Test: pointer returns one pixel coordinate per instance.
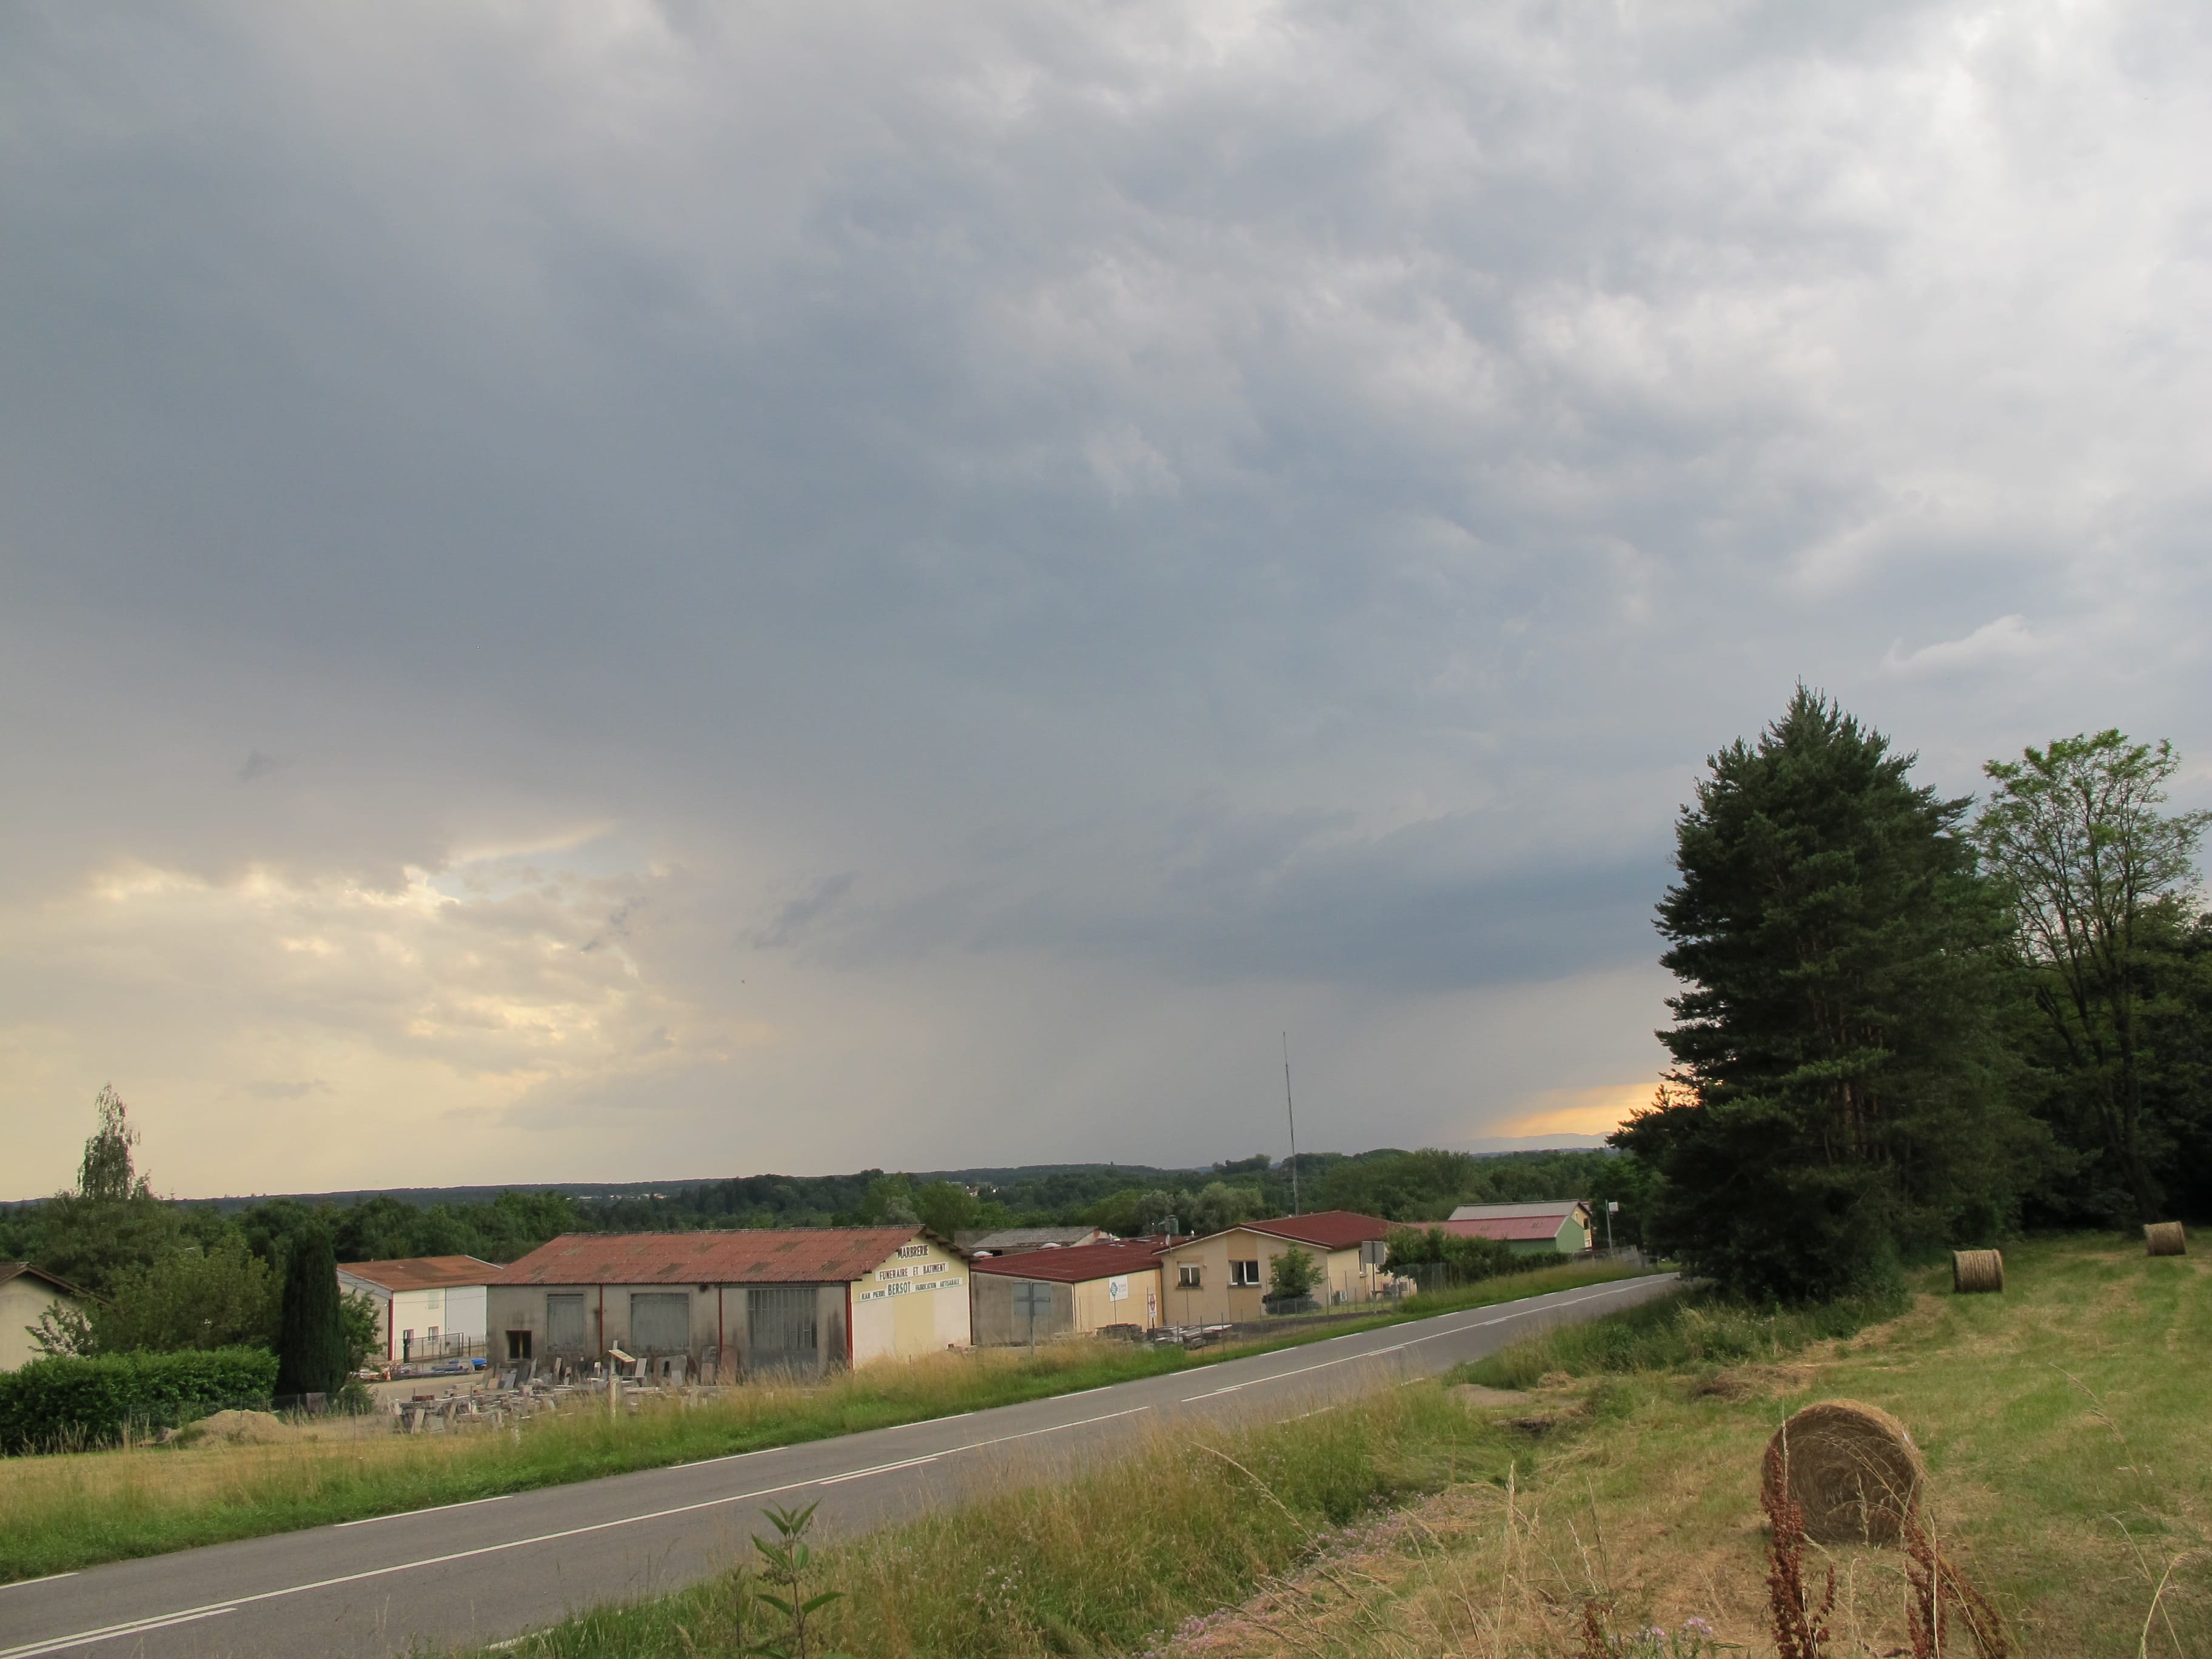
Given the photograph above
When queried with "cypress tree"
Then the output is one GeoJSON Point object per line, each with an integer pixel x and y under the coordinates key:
{"type": "Point", "coordinates": [1835, 1089]}
{"type": "Point", "coordinates": [311, 1350]}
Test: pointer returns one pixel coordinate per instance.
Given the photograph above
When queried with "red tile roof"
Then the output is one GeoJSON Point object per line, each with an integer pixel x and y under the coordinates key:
{"type": "Point", "coordinates": [1325, 1229]}
{"type": "Point", "coordinates": [810, 1255]}
{"type": "Point", "coordinates": [1509, 1228]}
{"type": "Point", "coordinates": [1074, 1264]}
{"type": "Point", "coordinates": [424, 1273]}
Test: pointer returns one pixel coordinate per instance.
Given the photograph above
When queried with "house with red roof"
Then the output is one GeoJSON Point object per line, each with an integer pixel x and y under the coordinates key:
{"type": "Point", "coordinates": [1224, 1278]}
{"type": "Point", "coordinates": [727, 1305]}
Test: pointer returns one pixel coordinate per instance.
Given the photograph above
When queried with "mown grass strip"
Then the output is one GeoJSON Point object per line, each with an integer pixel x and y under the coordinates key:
{"type": "Point", "coordinates": [57, 1514]}
{"type": "Point", "coordinates": [1108, 1561]}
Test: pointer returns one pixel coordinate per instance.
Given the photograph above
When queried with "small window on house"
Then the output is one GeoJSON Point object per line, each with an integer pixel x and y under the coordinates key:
{"type": "Point", "coordinates": [1186, 1275]}
{"type": "Point", "coordinates": [1244, 1274]}
{"type": "Point", "coordinates": [517, 1345]}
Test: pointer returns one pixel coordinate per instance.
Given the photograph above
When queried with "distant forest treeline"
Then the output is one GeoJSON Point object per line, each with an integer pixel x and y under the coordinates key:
{"type": "Point", "coordinates": [113, 1226]}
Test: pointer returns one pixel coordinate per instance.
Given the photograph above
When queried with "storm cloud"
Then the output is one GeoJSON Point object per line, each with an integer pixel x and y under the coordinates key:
{"type": "Point", "coordinates": [637, 590]}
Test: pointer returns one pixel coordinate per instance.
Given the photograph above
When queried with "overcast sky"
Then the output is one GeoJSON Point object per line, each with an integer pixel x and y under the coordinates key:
{"type": "Point", "coordinates": [619, 591]}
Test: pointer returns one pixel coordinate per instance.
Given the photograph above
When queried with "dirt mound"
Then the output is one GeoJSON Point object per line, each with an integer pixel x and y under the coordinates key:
{"type": "Point", "coordinates": [238, 1429]}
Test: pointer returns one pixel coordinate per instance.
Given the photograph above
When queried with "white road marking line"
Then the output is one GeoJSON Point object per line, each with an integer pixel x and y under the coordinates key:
{"type": "Point", "coordinates": [436, 1508]}
{"type": "Point", "coordinates": [136, 1628]}
{"type": "Point", "coordinates": [48, 1579]}
{"type": "Point", "coordinates": [880, 1469]}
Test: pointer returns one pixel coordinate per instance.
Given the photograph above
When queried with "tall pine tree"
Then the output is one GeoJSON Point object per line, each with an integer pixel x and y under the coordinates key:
{"type": "Point", "coordinates": [1835, 1091]}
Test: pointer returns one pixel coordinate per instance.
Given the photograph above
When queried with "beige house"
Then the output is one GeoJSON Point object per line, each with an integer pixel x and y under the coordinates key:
{"type": "Point", "coordinates": [1223, 1278]}
{"type": "Point", "coordinates": [1059, 1292]}
{"type": "Point", "coordinates": [724, 1305]}
{"type": "Point", "coordinates": [26, 1294]}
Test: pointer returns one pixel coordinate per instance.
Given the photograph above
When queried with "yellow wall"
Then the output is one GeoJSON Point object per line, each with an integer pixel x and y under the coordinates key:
{"type": "Point", "coordinates": [22, 1300]}
{"type": "Point", "coordinates": [1095, 1308]}
{"type": "Point", "coordinates": [915, 1302]}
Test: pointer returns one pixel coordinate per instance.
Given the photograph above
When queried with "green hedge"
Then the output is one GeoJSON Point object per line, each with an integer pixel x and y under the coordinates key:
{"type": "Point", "coordinates": [54, 1405]}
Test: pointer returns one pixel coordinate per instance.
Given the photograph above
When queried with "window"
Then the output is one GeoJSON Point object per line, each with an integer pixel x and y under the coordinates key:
{"type": "Point", "coordinates": [1186, 1275]}
{"type": "Point", "coordinates": [517, 1345]}
{"type": "Point", "coordinates": [1244, 1274]}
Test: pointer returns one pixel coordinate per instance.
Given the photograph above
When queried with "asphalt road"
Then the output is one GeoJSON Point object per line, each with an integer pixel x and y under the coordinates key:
{"type": "Point", "coordinates": [483, 1571]}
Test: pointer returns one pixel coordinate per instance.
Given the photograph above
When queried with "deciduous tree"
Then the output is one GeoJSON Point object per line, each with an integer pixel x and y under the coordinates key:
{"type": "Point", "coordinates": [2099, 875]}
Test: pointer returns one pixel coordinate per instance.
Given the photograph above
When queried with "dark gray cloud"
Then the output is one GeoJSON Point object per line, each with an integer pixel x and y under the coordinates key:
{"type": "Point", "coordinates": [1143, 520]}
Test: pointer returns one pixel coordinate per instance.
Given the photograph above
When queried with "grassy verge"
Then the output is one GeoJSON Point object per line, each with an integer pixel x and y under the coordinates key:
{"type": "Point", "coordinates": [1112, 1561]}
{"type": "Point", "coordinates": [1696, 1331]}
{"type": "Point", "coordinates": [61, 1513]}
{"type": "Point", "coordinates": [2064, 1423]}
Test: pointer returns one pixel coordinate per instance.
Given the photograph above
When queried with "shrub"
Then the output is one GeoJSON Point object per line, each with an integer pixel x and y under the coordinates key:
{"type": "Point", "coordinates": [1293, 1273]}
{"type": "Point", "coordinates": [66, 1403]}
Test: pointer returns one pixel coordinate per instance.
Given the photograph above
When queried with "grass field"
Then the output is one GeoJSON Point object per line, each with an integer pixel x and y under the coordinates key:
{"type": "Point", "coordinates": [60, 1513]}
{"type": "Point", "coordinates": [2065, 1423]}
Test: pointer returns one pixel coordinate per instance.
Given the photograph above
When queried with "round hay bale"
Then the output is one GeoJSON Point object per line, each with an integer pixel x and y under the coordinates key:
{"type": "Point", "coordinates": [2164, 1238]}
{"type": "Point", "coordinates": [1974, 1272]}
{"type": "Point", "coordinates": [1851, 1469]}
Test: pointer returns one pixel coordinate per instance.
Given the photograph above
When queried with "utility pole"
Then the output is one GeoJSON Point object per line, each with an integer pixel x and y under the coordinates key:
{"type": "Point", "coordinates": [1292, 1112]}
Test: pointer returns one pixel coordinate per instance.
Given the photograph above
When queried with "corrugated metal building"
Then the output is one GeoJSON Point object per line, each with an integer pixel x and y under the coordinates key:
{"type": "Point", "coordinates": [735, 1303]}
{"type": "Point", "coordinates": [1561, 1225]}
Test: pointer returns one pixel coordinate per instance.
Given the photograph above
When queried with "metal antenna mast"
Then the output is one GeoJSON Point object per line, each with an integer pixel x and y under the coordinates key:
{"type": "Point", "coordinates": [1292, 1112]}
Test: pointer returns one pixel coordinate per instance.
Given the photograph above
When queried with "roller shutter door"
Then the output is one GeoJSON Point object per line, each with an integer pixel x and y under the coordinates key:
{"type": "Point", "coordinates": [660, 1322]}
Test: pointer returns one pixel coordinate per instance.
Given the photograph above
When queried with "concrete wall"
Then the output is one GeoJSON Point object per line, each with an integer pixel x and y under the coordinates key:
{"type": "Point", "coordinates": [996, 1323]}
{"type": "Point", "coordinates": [1081, 1308]}
{"type": "Point", "coordinates": [23, 1299]}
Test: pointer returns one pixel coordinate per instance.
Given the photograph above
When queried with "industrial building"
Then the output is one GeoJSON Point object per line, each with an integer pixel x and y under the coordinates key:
{"type": "Point", "coordinates": [725, 1305]}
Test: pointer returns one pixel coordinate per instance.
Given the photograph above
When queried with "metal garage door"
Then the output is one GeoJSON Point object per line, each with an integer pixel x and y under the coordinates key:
{"type": "Point", "coordinates": [660, 1322]}
{"type": "Point", "coordinates": [564, 1324]}
{"type": "Point", "coordinates": [781, 1321]}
